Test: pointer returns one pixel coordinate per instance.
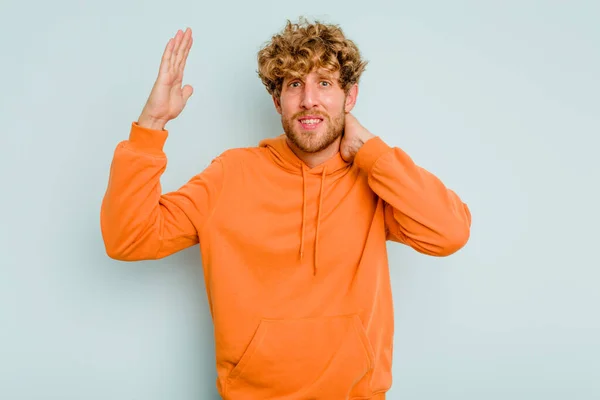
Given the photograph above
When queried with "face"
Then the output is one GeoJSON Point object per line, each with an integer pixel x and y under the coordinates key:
{"type": "Point", "coordinates": [313, 110]}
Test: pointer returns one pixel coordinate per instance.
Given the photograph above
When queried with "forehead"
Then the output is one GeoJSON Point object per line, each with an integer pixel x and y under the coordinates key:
{"type": "Point", "coordinates": [318, 73]}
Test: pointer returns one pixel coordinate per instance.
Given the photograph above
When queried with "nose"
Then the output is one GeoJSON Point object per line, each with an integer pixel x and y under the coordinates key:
{"type": "Point", "coordinates": [309, 97]}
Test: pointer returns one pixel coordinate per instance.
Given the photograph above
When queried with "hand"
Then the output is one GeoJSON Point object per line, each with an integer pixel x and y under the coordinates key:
{"type": "Point", "coordinates": [167, 98]}
{"type": "Point", "coordinates": [355, 135]}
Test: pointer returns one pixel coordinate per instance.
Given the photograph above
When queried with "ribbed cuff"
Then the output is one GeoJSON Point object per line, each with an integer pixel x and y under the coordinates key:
{"type": "Point", "coordinates": [370, 152]}
{"type": "Point", "coordinates": [147, 140]}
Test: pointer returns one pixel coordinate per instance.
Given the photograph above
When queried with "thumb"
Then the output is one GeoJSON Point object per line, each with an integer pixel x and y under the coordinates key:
{"type": "Point", "coordinates": [186, 92]}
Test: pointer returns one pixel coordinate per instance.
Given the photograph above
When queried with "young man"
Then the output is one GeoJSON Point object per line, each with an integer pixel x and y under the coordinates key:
{"type": "Point", "coordinates": [292, 232]}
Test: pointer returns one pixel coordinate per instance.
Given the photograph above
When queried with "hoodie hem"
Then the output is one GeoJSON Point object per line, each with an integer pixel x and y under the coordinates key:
{"type": "Point", "coordinates": [375, 396]}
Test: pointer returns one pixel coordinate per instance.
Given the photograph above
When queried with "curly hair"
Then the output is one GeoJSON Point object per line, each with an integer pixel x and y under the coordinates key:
{"type": "Point", "coordinates": [302, 47]}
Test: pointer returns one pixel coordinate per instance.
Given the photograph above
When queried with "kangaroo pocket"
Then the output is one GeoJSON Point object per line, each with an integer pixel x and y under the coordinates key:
{"type": "Point", "coordinates": [319, 358]}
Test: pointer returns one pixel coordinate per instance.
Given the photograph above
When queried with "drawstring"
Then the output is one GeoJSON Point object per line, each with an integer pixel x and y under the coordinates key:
{"type": "Point", "coordinates": [319, 219]}
{"type": "Point", "coordinates": [303, 213]}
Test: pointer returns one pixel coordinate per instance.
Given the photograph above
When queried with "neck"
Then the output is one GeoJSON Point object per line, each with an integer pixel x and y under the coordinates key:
{"type": "Point", "coordinates": [318, 158]}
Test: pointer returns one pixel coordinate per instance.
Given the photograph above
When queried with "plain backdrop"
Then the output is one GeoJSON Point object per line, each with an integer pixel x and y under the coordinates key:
{"type": "Point", "coordinates": [500, 99]}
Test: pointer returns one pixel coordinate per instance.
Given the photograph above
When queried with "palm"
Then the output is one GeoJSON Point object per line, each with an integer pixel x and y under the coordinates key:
{"type": "Point", "coordinates": [168, 97]}
{"type": "Point", "coordinates": [346, 149]}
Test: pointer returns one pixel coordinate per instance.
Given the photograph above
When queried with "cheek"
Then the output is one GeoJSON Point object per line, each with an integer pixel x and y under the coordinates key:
{"type": "Point", "coordinates": [334, 104]}
{"type": "Point", "coordinates": [288, 108]}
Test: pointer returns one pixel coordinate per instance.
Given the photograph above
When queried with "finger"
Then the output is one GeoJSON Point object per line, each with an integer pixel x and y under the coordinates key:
{"type": "Point", "coordinates": [185, 57]}
{"type": "Point", "coordinates": [186, 92]}
{"type": "Point", "coordinates": [185, 54]}
{"type": "Point", "coordinates": [183, 49]}
{"type": "Point", "coordinates": [178, 38]}
{"type": "Point", "coordinates": [166, 57]}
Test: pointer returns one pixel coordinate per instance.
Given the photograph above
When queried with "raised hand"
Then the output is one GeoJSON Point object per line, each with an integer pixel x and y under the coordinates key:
{"type": "Point", "coordinates": [355, 135]}
{"type": "Point", "coordinates": [168, 98]}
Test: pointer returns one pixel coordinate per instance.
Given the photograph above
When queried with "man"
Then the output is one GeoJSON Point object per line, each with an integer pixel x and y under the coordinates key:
{"type": "Point", "coordinates": [292, 232]}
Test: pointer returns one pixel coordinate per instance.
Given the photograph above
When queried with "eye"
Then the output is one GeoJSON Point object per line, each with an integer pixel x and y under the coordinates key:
{"type": "Point", "coordinates": [294, 84]}
{"type": "Point", "coordinates": [325, 83]}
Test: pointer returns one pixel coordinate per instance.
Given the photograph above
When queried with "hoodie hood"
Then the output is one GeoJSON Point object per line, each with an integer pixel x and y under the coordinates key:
{"type": "Point", "coordinates": [283, 156]}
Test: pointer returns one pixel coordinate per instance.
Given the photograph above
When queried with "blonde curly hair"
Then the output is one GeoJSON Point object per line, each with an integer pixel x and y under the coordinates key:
{"type": "Point", "coordinates": [301, 47]}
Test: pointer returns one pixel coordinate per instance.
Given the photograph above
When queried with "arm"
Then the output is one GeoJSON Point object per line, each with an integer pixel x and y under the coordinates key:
{"type": "Point", "coordinates": [419, 210]}
{"type": "Point", "coordinates": [138, 222]}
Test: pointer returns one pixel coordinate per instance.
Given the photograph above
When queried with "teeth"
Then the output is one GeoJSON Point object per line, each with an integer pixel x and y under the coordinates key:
{"type": "Point", "coordinates": [310, 121]}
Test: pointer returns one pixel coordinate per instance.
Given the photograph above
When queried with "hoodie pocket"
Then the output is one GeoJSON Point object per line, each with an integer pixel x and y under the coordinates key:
{"type": "Point", "coordinates": [324, 357]}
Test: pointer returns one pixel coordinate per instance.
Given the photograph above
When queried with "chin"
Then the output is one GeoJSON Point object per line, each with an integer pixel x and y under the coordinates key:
{"type": "Point", "coordinates": [312, 142]}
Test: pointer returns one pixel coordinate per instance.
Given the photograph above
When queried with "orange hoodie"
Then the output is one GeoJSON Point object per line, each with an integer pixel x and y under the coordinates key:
{"type": "Point", "coordinates": [294, 258]}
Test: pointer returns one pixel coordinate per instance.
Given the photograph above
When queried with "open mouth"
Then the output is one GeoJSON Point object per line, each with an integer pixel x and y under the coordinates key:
{"type": "Point", "coordinates": [310, 122]}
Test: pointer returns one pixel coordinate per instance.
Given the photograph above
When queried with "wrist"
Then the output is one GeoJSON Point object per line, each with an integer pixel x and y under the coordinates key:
{"type": "Point", "coordinates": [147, 140]}
{"type": "Point", "coordinates": [151, 123]}
{"type": "Point", "coordinates": [365, 136]}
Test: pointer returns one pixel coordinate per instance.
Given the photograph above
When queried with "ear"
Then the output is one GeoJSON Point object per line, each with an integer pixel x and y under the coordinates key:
{"type": "Point", "coordinates": [351, 98]}
{"type": "Point", "coordinates": [277, 103]}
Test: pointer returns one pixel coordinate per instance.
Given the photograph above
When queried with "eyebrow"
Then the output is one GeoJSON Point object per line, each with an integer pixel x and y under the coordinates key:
{"type": "Point", "coordinates": [320, 75]}
{"type": "Point", "coordinates": [327, 75]}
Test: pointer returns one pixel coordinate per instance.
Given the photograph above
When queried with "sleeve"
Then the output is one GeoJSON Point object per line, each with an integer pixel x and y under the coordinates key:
{"type": "Point", "coordinates": [138, 221]}
{"type": "Point", "coordinates": [420, 211]}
